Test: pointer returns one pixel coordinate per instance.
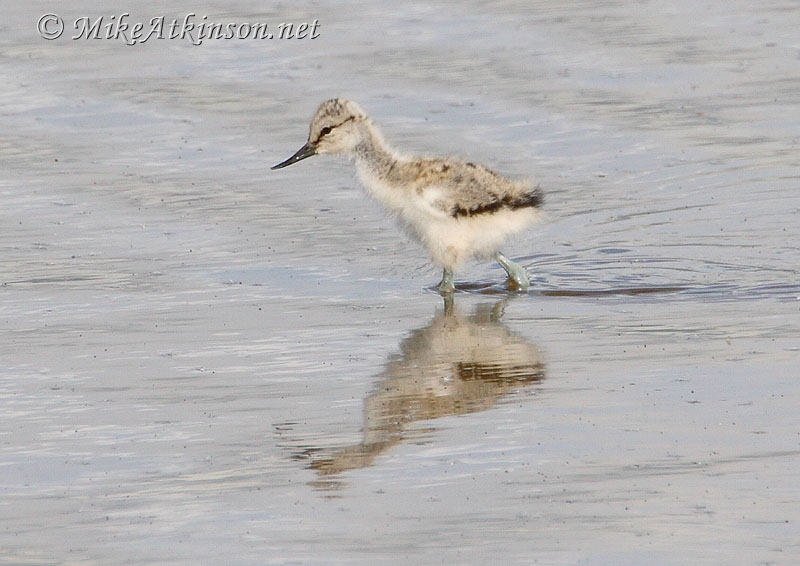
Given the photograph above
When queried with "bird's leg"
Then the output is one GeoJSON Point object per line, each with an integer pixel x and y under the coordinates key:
{"type": "Point", "coordinates": [448, 304]}
{"type": "Point", "coordinates": [517, 278]}
{"type": "Point", "coordinates": [446, 285]}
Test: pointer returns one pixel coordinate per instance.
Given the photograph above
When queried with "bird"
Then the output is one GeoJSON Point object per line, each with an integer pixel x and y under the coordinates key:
{"type": "Point", "coordinates": [458, 210]}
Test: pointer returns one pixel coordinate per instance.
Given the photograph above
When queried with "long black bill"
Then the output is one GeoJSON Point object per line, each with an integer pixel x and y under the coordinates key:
{"type": "Point", "coordinates": [306, 151]}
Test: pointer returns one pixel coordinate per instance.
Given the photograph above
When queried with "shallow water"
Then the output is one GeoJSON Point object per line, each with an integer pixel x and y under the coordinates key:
{"type": "Point", "coordinates": [207, 362]}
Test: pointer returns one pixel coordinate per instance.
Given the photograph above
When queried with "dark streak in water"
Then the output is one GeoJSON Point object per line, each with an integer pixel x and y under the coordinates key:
{"type": "Point", "coordinates": [720, 292]}
{"type": "Point", "coordinates": [54, 279]}
{"type": "Point", "coordinates": [609, 292]}
{"type": "Point", "coordinates": [484, 288]}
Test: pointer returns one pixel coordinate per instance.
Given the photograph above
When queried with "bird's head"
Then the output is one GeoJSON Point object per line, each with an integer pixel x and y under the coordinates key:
{"type": "Point", "coordinates": [337, 127]}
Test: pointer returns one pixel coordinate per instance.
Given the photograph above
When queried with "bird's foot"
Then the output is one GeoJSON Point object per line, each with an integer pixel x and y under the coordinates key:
{"type": "Point", "coordinates": [518, 284]}
{"type": "Point", "coordinates": [517, 277]}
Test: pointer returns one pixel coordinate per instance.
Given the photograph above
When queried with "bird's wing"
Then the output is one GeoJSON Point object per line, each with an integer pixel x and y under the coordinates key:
{"type": "Point", "coordinates": [435, 200]}
{"type": "Point", "coordinates": [454, 188]}
{"type": "Point", "coordinates": [460, 195]}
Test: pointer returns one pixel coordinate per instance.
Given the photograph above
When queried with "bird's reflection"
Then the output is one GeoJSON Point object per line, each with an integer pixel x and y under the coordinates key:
{"type": "Point", "coordinates": [456, 364]}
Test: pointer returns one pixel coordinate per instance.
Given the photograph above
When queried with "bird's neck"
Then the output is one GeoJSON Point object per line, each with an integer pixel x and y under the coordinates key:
{"type": "Point", "coordinates": [373, 156]}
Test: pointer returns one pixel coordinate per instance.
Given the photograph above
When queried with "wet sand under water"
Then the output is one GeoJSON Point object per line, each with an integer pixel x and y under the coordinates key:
{"type": "Point", "coordinates": [206, 362]}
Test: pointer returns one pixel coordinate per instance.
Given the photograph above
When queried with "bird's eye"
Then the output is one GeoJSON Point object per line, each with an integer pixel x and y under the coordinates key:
{"type": "Point", "coordinates": [325, 131]}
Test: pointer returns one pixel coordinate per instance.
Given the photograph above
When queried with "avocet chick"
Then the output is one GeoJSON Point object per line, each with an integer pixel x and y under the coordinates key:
{"type": "Point", "coordinates": [458, 210]}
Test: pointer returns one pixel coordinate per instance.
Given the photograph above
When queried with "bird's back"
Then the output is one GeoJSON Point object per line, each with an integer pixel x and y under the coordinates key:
{"type": "Point", "coordinates": [462, 188]}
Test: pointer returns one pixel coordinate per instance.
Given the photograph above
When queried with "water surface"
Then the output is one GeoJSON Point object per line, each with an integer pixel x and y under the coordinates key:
{"type": "Point", "coordinates": [203, 361]}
